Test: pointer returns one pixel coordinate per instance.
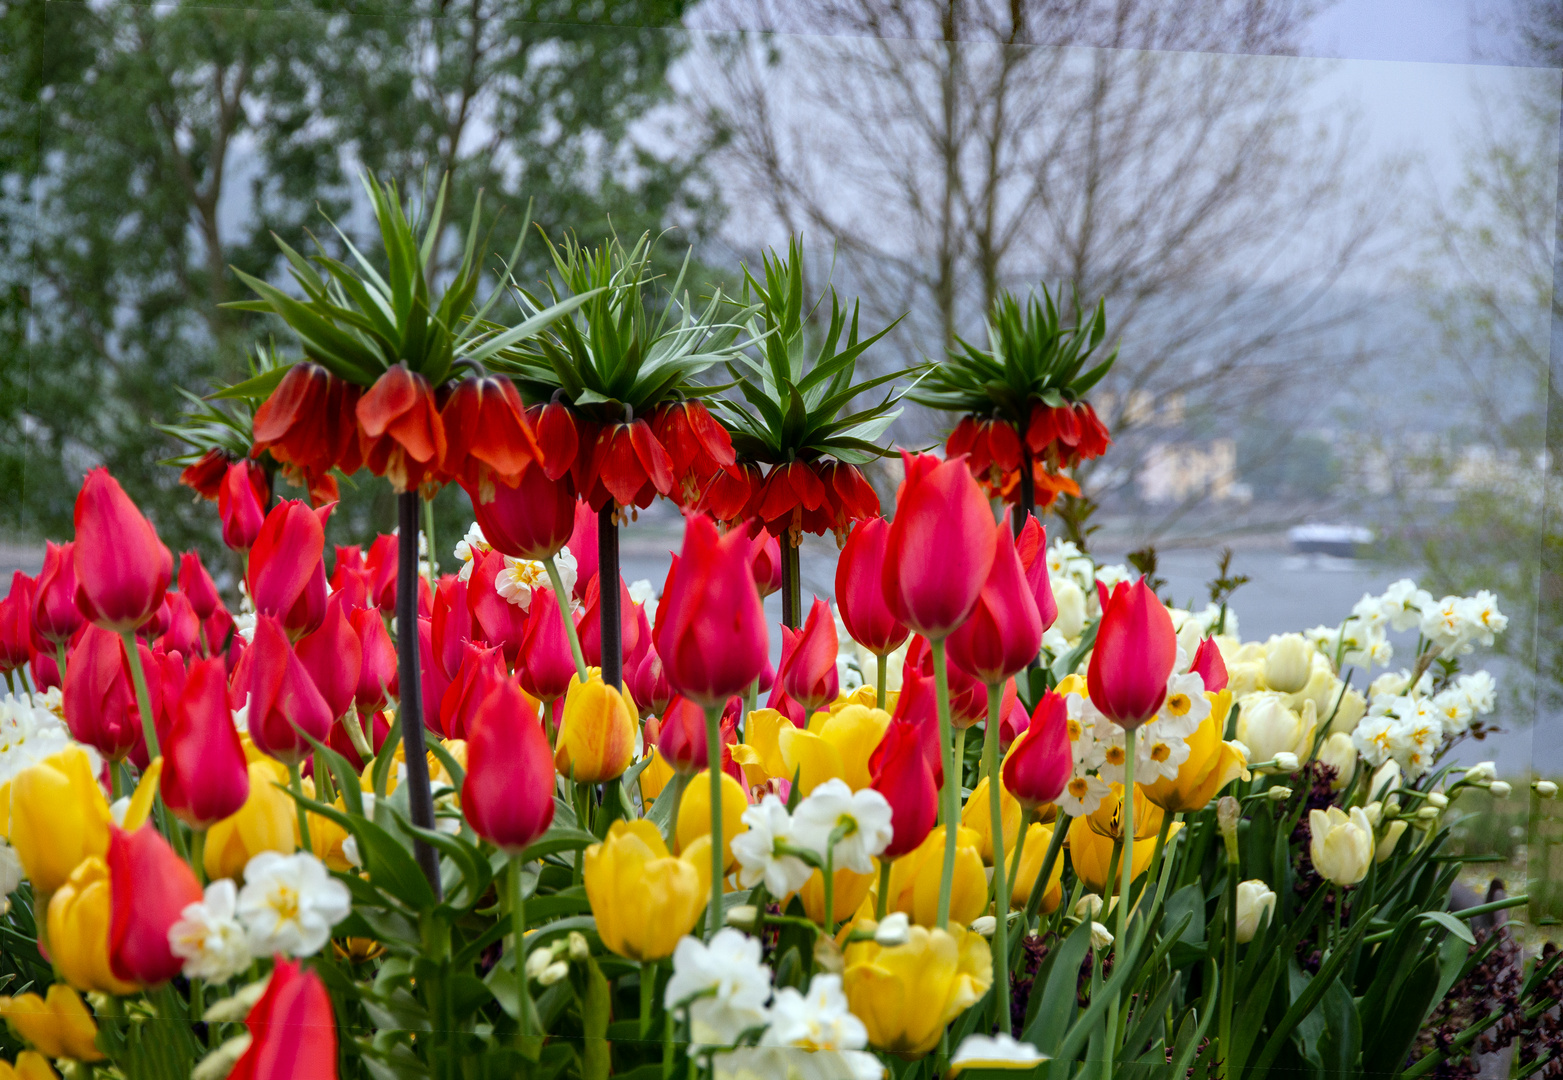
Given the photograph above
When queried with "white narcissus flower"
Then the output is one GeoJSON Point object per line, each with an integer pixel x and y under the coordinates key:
{"type": "Point", "coordinates": [208, 936]}
{"type": "Point", "coordinates": [468, 548]}
{"type": "Point", "coordinates": [818, 1020]}
{"type": "Point", "coordinates": [1454, 711]}
{"type": "Point", "coordinates": [864, 816]}
{"type": "Point", "coordinates": [1484, 618]}
{"type": "Point", "coordinates": [1341, 845]}
{"type": "Point", "coordinates": [520, 577]}
{"type": "Point", "coordinates": [1159, 754]}
{"type": "Point", "coordinates": [289, 904]}
{"type": "Point", "coordinates": [895, 930]}
{"type": "Point", "coordinates": [1082, 795]}
{"type": "Point", "coordinates": [642, 591]}
{"type": "Point", "coordinates": [734, 983]}
{"type": "Point", "coordinates": [795, 1063]}
{"type": "Point", "coordinates": [1479, 690]}
{"type": "Point", "coordinates": [1255, 901]}
{"type": "Point", "coordinates": [999, 1051]}
{"type": "Point", "coordinates": [768, 824]}
{"type": "Point", "coordinates": [1184, 707]}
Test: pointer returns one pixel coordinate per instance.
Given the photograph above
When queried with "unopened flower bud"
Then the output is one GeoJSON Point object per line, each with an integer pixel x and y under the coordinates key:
{"type": "Point", "coordinates": [743, 916]}
{"type": "Point", "coordinates": [580, 952]}
{"type": "Point", "coordinates": [1483, 772]}
{"type": "Point", "coordinates": [1228, 813]}
{"type": "Point", "coordinates": [553, 973]}
{"type": "Point", "coordinates": [1089, 906]}
{"type": "Point", "coordinates": [1427, 813]}
{"type": "Point", "coordinates": [1500, 789]}
{"type": "Point", "coordinates": [1255, 900]}
{"type": "Point", "coordinates": [1286, 761]}
{"type": "Point", "coordinates": [1546, 789]}
{"type": "Point", "coordinates": [1374, 812]}
{"type": "Point", "coordinates": [1278, 793]}
{"type": "Point", "coordinates": [220, 1062]}
{"type": "Point", "coordinates": [895, 930]}
{"type": "Point", "coordinates": [538, 962]}
{"type": "Point", "coordinates": [985, 925]}
{"type": "Point", "coordinates": [1101, 937]}
{"type": "Point", "coordinates": [1438, 800]}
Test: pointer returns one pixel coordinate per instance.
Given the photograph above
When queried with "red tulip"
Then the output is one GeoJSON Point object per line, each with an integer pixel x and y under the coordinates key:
{"type": "Point", "coordinates": [205, 474]}
{"type": "Point", "coordinates": [648, 684]}
{"type": "Point", "coordinates": [380, 569]}
{"type": "Point", "coordinates": [333, 656]}
{"type": "Point", "coordinates": [309, 610]}
{"type": "Point", "coordinates": [205, 777]}
{"type": "Point", "coordinates": [292, 1029]}
{"type": "Point", "coordinates": [241, 504]}
{"type": "Point", "coordinates": [546, 663]}
{"type": "Point", "coordinates": [917, 706]}
{"type": "Point", "coordinates": [401, 436]}
{"type": "Point", "coordinates": [1004, 632]}
{"type": "Point", "coordinates": [968, 695]}
{"type": "Point", "coordinates": [149, 888]}
{"type": "Point", "coordinates": [508, 794]}
{"type": "Point", "coordinates": [591, 625]}
{"type": "Point", "coordinates": [122, 568]}
{"type": "Point", "coordinates": [767, 558]}
{"type": "Point", "coordinates": [100, 698]}
{"type": "Point", "coordinates": [1209, 666]}
{"type": "Point", "coordinates": [809, 675]}
{"type": "Point", "coordinates": [1014, 720]}
{"type": "Point", "coordinates": [479, 672]}
{"type": "Point", "coordinates": [377, 672]}
{"type": "Point", "coordinates": [629, 465]}
{"type": "Point", "coordinates": [222, 638]}
{"type": "Point", "coordinates": [452, 623]}
{"type": "Point", "coordinates": [376, 728]}
{"type": "Point", "coordinates": [487, 434]}
{"type": "Point", "coordinates": [583, 545]}
{"type": "Point", "coordinates": [860, 594]}
{"type": "Point", "coordinates": [902, 776]}
{"type": "Point", "coordinates": [198, 587]}
{"type": "Point", "coordinates": [529, 521]}
{"type": "Point", "coordinates": [712, 637]}
{"type": "Point", "coordinates": [940, 547]}
{"type": "Point", "coordinates": [16, 623]}
{"type": "Point", "coordinates": [183, 631]}
{"type": "Point", "coordinates": [558, 438]}
{"type": "Point", "coordinates": [285, 558]}
{"type": "Point", "coordinates": [285, 704]}
{"type": "Point", "coordinates": [1041, 762]}
{"type": "Point", "coordinates": [432, 682]}
{"type": "Point", "coordinates": [46, 673]}
{"type": "Point", "coordinates": [500, 622]}
{"type": "Point", "coordinates": [309, 421]}
{"type": "Point", "coordinates": [1031, 546]}
{"type": "Point", "coordinates": [55, 617]}
{"type": "Point", "coordinates": [681, 736]}
{"type": "Point", "coordinates": [1134, 654]}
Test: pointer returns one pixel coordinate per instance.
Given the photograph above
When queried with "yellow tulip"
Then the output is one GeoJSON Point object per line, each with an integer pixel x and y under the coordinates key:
{"type": "Point", "coordinates": [905, 995]}
{"type": "Point", "coordinates": [596, 734]}
{"type": "Point", "coordinates": [864, 695]}
{"type": "Point", "coordinates": [978, 817]}
{"type": "Point", "coordinates": [268, 821]}
{"type": "Point", "coordinates": [1072, 684]}
{"type": "Point", "coordinates": [59, 1025]}
{"type": "Point", "coordinates": [1038, 837]}
{"type": "Point", "coordinates": [30, 1065]}
{"type": "Point", "coordinates": [654, 777]}
{"type": "Point", "coordinates": [760, 752]}
{"type": "Point", "coordinates": [140, 807]}
{"type": "Point", "coordinates": [1091, 852]}
{"type": "Point", "coordinates": [58, 817]}
{"type": "Point", "coordinates": [1107, 819]}
{"type": "Point", "coordinates": [78, 924]}
{"type": "Point", "coordinates": [850, 891]}
{"type": "Point", "coordinates": [809, 757]}
{"type": "Point", "coordinates": [1212, 764]}
{"type": "Point", "coordinates": [694, 813]}
{"type": "Point", "coordinates": [326, 838]}
{"type": "Point", "coordinates": [1341, 844]}
{"type": "Point", "coordinates": [645, 899]}
{"type": "Point", "coordinates": [915, 879]}
{"type": "Point", "coordinates": [855, 731]}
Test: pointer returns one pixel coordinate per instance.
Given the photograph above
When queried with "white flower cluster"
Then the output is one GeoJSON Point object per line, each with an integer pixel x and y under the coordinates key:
{"type": "Point", "coordinates": [520, 577]}
{"type": "Point", "coordinates": [727, 990]}
{"type": "Point", "coordinates": [288, 904]}
{"type": "Point", "coordinates": [1454, 625]}
{"type": "Point", "coordinates": [1406, 725]}
{"type": "Point", "coordinates": [860, 821]}
{"type": "Point", "coordinates": [31, 729]}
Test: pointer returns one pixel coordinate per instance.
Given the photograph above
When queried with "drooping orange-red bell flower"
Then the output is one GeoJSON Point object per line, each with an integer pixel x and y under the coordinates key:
{"type": "Point", "coordinates": [1135, 651]}
{"type": "Point", "coordinates": [205, 474]}
{"type": "Point", "coordinates": [790, 499]}
{"type": "Point", "coordinates": [849, 498]}
{"type": "Point", "coordinates": [697, 446]}
{"type": "Point", "coordinates": [629, 465]}
{"type": "Point", "coordinates": [122, 568]}
{"type": "Point", "coordinates": [488, 437]}
{"type": "Point", "coordinates": [730, 496]}
{"type": "Point", "coordinates": [402, 437]}
{"type": "Point", "coordinates": [310, 422]}
{"type": "Point", "coordinates": [292, 1029]}
{"type": "Point", "coordinates": [558, 438]}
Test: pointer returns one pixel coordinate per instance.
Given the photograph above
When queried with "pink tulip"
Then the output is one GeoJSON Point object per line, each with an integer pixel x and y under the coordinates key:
{"type": "Point", "coordinates": [809, 675]}
{"type": "Point", "coordinates": [1133, 656]}
{"type": "Point", "coordinates": [499, 622]}
{"type": "Point", "coordinates": [767, 558]}
{"type": "Point", "coordinates": [508, 792]}
{"type": "Point", "coordinates": [1209, 666]}
{"type": "Point", "coordinates": [377, 672]}
{"type": "Point", "coordinates": [122, 568]}
{"type": "Point", "coordinates": [648, 684]}
{"type": "Point", "coordinates": [1004, 632]}
{"type": "Point", "coordinates": [940, 547]}
{"type": "Point", "coordinates": [860, 593]}
{"type": "Point", "coordinates": [529, 521]}
{"type": "Point", "coordinates": [452, 623]}
{"type": "Point", "coordinates": [1041, 761]}
{"type": "Point", "coordinates": [241, 504]}
{"type": "Point", "coordinates": [16, 624]}
{"type": "Point", "coordinates": [1031, 545]}
{"type": "Point", "coordinates": [710, 631]}
{"type": "Point", "coordinates": [198, 587]}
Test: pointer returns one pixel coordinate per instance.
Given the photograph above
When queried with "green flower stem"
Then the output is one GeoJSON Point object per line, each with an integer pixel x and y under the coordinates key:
{"type": "Point", "coordinates": [648, 987]}
{"type": "Point", "coordinates": [562, 598]}
{"type": "Point", "coordinates": [714, 768]}
{"type": "Point", "coordinates": [880, 662]}
{"type": "Point", "coordinates": [990, 758]}
{"type": "Point", "coordinates": [829, 875]}
{"type": "Point", "coordinates": [296, 782]}
{"type": "Point", "coordinates": [143, 699]}
{"type": "Point", "coordinates": [527, 1040]}
{"type": "Point", "coordinates": [356, 736]}
{"type": "Point", "coordinates": [428, 531]}
{"type": "Point", "coordinates": [59, 657]}
{"type": "Point", "coordinates": [1125, 879]}
{"type": "Point", "coordinates": [951, 795]}
{"type": "Point", "coordinates": [882, 901]}
{"type": "Point", "coordinates": [1228, 971]}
